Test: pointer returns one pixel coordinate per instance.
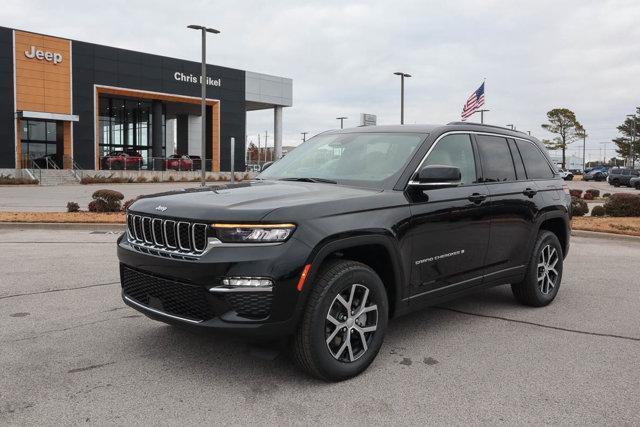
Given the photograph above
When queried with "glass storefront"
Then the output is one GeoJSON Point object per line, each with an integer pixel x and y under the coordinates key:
{"type": "Point", "coordinates": [39, 141]}
{"type": "Point", "coordinates": [126, 126]}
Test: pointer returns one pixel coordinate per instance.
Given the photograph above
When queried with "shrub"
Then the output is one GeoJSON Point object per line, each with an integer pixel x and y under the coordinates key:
{"type": "Point", "coordinates": [12, 180]}
{"type": "Point", "coordinates": [92, 206]}
{"type": "Point", "coordinates": [107, 200]}
{"type": "Point", "coordinates": [99, 179]}
{"type": "Point", "coordinates": [587, 196]}
{"type": "Point", "coordinates": [594, 192]}
{"type": "Point", "coordinates": [605, 195]}
{"type": "Point", "coordinates": [575, 193]}
{"type": "Point", "coordinates": [578, 207]}
{"type": "Point", "coordinates": [598, 211]}
{"type": "Point", "coordinates": [155, 178]}
{"type": "Point", "coordinates": [125, 205]}
{"type": "Point", "coordinates": [73, 207]}
{"type": "Point", "coordinates": [141, 178]}
{"type": "Point", "coordinates": [171, 178]}
{"type": "Point", "coordinates": [623, 204]}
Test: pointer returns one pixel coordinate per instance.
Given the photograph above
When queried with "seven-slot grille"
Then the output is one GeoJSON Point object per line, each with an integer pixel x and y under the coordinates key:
{"type": "Point", "coordinates": [167, 235]}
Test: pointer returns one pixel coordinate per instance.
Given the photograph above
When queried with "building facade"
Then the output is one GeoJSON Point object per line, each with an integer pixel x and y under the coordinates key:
{"type": "Point", "coordinates": [76, 104]}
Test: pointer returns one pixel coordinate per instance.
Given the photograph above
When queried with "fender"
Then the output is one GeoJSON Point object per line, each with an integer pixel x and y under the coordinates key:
{"type": "Point", "coordinates": [372, 237]}
{"type": "Point", "coordinates": [551, 214]}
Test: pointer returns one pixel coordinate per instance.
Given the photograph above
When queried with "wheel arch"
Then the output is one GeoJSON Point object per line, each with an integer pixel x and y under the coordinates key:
{"type": "Point", "coordinates": [558, 224]}
{"type": "Point", "coordinates": [370, 249]}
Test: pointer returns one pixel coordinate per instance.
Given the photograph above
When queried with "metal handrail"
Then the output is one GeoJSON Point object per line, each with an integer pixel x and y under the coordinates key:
{"type": "Point", "coordinates": [75, 167]}
{"type": "Point", "coordinates": [31, 167]}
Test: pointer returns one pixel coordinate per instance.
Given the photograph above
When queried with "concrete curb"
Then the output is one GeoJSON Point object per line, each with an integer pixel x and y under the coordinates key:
{"type": "Point", "coordinates": [601, 235]}
{"type": "Point", "coordinates": [61, 226]}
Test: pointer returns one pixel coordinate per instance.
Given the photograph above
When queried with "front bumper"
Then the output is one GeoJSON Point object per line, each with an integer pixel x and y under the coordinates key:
{"type": "Point", "coordinates": [178, 291]}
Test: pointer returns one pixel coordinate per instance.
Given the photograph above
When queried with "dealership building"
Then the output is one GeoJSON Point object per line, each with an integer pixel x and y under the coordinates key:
{"type": "Point", "coordinates": [76, 102]}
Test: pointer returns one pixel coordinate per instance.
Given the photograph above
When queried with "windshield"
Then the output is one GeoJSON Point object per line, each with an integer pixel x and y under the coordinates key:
{"type": "Point", "coordinates": [362, 159]}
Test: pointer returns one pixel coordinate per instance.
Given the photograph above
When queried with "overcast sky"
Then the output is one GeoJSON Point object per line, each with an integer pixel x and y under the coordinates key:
{"type": "Point", "coordinates": [535, 55]}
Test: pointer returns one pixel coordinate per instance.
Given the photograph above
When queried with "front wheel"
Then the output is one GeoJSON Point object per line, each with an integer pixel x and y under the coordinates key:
{"type": "Point", "coordinates": [343, 325]}
{"type": "Point", "coordinates": [544, 272]}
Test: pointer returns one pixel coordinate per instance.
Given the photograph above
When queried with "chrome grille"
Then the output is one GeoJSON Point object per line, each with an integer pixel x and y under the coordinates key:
{"type": "Point", "coordinates": [165, 237]}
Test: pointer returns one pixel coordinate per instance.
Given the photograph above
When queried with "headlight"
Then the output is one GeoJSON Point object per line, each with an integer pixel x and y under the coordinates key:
{"type": "Point", "coordinates": [253, 233]}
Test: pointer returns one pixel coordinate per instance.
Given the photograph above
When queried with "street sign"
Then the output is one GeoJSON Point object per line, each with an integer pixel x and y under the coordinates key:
{"type": "Point", "coordinates": [368, 119]}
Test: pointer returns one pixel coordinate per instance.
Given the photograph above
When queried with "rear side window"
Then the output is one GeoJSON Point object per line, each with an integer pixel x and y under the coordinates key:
{"type": "Point", "coordinates": [626, 172]}
{"type": "Point", "coordinates": [535, 163]}
{"type": "Point", "coordinates": [497, 164]}
{"type": "Point", "coordinates": [517, 160]}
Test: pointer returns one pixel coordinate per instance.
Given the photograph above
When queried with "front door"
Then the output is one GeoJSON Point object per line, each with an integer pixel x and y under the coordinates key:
{"type": "Point", "coordinates": [41, 143]}
{"type": "Point", "coordinates": [449, 226]}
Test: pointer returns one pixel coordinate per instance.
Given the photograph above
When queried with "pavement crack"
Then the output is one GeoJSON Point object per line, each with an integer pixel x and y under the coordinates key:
{"type": "Point", "coordinates": [541, 325]}
{"type": "Point", "coordinates": [88, 368]}
{"type": "Point", "coordinates": [58, 290]}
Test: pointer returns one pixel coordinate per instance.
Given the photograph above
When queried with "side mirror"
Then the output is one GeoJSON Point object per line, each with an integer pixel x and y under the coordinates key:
{"type": "Point", "coordinates": [439, 176]}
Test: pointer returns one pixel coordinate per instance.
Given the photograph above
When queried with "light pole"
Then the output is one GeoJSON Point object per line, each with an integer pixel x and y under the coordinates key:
{"type": "Point", "coordinates": [304, 136]}
{"type": "Point", "coordinates": [584, 151]}
{"type": "Point", "coordinates": [402, 76]}
{"type": "Point", "coordinates": [633, 136]}
{"type": "Point", "coordinates": [482, 115]}
{"type": "Point", "coordinates": [604, 157]}
{"type": "Point", "coordinates": [203, 83]}
{"type": "Point", "coordinates": [342, 119]}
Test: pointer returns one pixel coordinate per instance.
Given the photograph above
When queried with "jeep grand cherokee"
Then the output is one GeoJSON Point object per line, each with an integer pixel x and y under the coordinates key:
{"type": "Point", "coordinates": [350, 229]}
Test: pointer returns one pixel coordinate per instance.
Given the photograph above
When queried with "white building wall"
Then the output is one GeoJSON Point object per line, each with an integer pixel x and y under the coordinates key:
{"type": "Point", "coordinates": [195, 141]}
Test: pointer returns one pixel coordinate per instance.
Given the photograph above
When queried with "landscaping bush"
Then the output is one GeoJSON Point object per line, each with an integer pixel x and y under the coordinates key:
{"type": "Point", "coordinates": [594, 192]}
{"type": "Point", "coordinates": [107, 200]}
{"type": "Point", "coordinates": [128, 203]}
{"type": "Point", "coordinates": [73, 207]}
{"type": "Point", "coordinates": [575, 193]}
{"type": "Point", "coordinates": [623, 204]}
{"type": "Point", "coordinates": [141, 178]}
{"type": "Point", "coordinates": [578, 207]}
{"type": "Point", "coordinates": [12, 180]}
{"type": "Point", "coordinates": [588, 196]}
{"type": "Point", "coordinates": [598, 211]}
{"type": "Point", "coordinates": [92, 206]}
{"type": "Point", "coordinates": [100, 179]}
{"type": "Point", "coordinates": [605, 195]}
{"type": "Point", "coordinates": [155, 178]}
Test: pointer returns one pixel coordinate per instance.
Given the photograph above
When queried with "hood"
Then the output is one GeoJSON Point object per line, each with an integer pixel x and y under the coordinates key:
{"type": "Point", "coordinates": [251, 201]}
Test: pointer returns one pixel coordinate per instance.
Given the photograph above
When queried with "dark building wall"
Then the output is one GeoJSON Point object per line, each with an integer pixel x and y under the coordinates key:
{"type": "Point", "coordinates": [7, 118]}
{"type": "Point", "coordinates": [102, 65]}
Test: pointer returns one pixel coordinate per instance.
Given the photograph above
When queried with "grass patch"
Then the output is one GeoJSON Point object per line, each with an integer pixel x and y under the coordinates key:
{"type": "Point", "coordinates": [616, 225]}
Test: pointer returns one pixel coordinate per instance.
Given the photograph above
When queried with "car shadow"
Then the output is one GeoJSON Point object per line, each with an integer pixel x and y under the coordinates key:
{"type": "Point", "coordinates": [215, 356]}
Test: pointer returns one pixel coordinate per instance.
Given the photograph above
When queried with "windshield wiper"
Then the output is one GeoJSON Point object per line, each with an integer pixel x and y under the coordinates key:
{"type": "Point", "coordinates": [305, 179]}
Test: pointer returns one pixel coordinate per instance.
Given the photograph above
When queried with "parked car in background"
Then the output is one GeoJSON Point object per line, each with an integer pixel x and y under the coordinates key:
{"type": "Point", "coordinates": [635, 182]}
{"type": "Point", "coordinates": [600, 168]}
{"type": "Point", "coordinates": [594, 175]}
{"type": "Point", "coordinates": [622, 176]}
{"type": "Point", "coordinates": [565, 174]}
{"type": "Point", "coordinates": [183, 162]}
{"type": "Point", "coordinates": [122, 159]}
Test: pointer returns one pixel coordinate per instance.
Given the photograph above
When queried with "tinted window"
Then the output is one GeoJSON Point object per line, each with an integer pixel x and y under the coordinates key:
{"type": "Point", "coordinates": [517, 160]}
{"type": "Point", "coordinates": [626, 172]}
{"type": "Point", "coordinates": [535, 163]}
{"type": "Point", "coordinates": [455, 150]}
{"type": "Point", "coordinates": [497, 165]}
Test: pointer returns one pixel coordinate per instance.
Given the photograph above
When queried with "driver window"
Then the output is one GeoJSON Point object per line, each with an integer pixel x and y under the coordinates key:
{"type": "Point", "coordinates": [455, 150]}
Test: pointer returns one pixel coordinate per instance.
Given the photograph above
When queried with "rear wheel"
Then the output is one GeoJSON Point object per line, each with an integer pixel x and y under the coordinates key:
{"type": "Point", "coordinates": [344, 322]}
{"type": "Point", "coordinates": [544, 272]}
{"type": "Point", "coordinates": [615, 183]}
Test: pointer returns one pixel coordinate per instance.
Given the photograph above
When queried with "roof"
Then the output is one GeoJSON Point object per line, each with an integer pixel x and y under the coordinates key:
{"type": "Point", "coordinates": [427, 128]}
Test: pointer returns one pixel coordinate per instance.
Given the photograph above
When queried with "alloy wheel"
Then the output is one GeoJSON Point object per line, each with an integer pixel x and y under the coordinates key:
{"type": "Point", "coordinates": [547, 272]}
{"type": "Point", "coordinates": [351, 322]}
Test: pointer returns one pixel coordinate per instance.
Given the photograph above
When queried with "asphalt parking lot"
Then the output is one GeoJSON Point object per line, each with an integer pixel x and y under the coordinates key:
{"type": "Point", "coordinates": [72, 352]}
{"type": "Point", "coordinates": [603, 186]}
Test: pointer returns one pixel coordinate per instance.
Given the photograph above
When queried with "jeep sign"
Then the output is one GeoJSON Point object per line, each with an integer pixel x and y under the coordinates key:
{"type": "Point", "coordinates": [54, 57]}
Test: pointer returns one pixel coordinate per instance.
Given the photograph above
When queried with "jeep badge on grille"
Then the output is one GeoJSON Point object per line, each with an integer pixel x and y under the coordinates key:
{"type": "Point", "coordinates": [161, 208]}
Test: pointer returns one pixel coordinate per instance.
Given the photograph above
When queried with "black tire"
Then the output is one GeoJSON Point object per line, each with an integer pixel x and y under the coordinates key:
{"type": "Point", "coordinates": [530, 291]}
{"type": "Point", "coordinates": [116, 166]}
{"type": "Point", "coordinates": [310, 348]}
{"type": "Point", "coordinates": [615, 183]}
{"type": "Point", "coordinates": [570, 178]}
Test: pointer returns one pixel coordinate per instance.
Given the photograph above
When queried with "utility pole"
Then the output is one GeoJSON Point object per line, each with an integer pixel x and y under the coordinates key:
{"type": "Point", "coordinates": [304, 136]}
{"type": "Point", "coordinates": [402, 77]}
{"type": "Point", "coordinates": [584, 151]}
{"type": "Point", "coordinates": [482, 115]}
{"type": "Point", "coordinates": [604, 158]}
{"type": "Point", "coordinates": [633, 137]}
{"type": "Point", "coordinates": [203, 101]}
{"type": "Point", "coordinates": [266, 137]}
{"type": "Point", "coordinates": [342, 119]}
{"type": "Point", "coordinates": [258, 151]}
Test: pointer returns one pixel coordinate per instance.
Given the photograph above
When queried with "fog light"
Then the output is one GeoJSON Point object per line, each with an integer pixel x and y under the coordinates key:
{"type": "Point", "coordinates": [246, 282]}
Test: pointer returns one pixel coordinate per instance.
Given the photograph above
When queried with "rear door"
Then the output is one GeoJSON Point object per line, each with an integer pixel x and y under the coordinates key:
{"type": "Point", "coordinates": [449, 229]}
{"type": "Point", "coordinates": [514, 201]}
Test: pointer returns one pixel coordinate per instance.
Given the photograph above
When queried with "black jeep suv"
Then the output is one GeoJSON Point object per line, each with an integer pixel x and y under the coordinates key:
{"type": "Point", "coordinates": [350, 229]}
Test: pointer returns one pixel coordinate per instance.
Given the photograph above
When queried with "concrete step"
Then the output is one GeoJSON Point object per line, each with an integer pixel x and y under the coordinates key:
{"type": "Point", "coordinates": [57, 177]}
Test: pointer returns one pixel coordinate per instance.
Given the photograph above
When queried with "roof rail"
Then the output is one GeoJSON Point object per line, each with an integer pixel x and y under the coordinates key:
{"type": "Point", "coordinates": [485, 125]}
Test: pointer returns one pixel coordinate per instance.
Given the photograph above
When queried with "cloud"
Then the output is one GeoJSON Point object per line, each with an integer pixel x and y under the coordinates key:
{"type": "Point", "coordinates": [342, 55]}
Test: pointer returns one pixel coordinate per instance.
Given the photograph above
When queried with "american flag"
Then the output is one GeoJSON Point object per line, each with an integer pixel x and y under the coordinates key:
{"type": "Point", "coordinates": [475, 101]}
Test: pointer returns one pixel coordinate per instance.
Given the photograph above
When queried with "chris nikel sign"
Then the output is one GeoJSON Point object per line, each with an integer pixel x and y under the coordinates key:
{"type": "Point", "coordinates": [40, 55]}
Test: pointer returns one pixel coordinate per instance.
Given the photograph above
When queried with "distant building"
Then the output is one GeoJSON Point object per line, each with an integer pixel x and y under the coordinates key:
{"type": "Point", "coordinates": [571, 162]}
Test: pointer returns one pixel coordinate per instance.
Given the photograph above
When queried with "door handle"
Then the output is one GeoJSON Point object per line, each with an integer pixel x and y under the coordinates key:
{"type": "Point", "coordinates": [530, 192]}
{"type": "Point", "coordinates": [477, 197]}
